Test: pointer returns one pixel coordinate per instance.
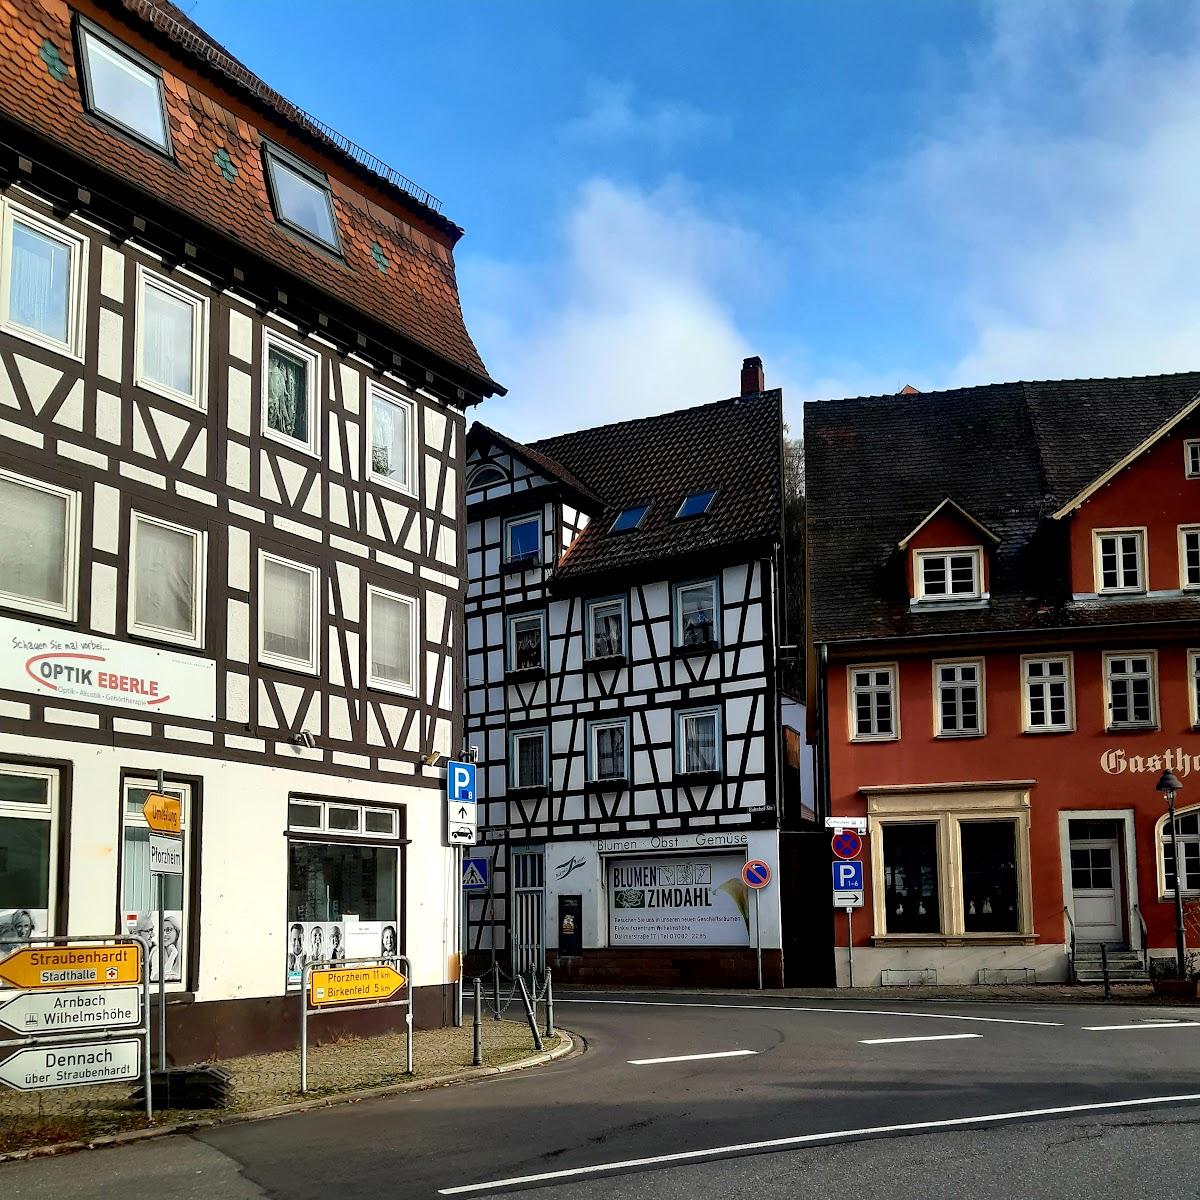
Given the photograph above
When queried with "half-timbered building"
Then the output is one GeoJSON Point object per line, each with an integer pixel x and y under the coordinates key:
{"type": "Point", "coordinates": [623, 631]}
{"type": "Point", "coordinates": [233, 375]}
{"type": "Point", "coordinates": [1004, 606]}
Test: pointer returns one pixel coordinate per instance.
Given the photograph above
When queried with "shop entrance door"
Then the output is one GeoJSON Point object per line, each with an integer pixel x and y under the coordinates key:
{"type": "Point", "coordinates": [528, 911]}
{"type": "Point", "coordinates": [1097, 896]}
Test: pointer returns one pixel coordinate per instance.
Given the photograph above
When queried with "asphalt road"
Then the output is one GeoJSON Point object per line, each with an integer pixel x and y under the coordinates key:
{"type": "Point", "coordinates": [823, 1099]}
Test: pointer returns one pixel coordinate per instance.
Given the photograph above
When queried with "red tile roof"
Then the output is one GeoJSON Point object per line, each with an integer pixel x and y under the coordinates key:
{"type": "Point", "coordinates": [417, 293]}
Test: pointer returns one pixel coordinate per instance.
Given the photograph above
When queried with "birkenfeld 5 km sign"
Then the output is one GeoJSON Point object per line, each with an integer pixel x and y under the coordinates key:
{"type": "Point", "coordinates": [72, 966]}
{"type": "Point", "coordinates": [353, 985]}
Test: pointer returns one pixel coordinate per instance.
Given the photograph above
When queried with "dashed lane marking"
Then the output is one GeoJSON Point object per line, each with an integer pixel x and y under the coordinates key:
{"type": "Point", "coordinates": [936, 1037]}
{"type": "Point", "coordinates": [808, 1139]}
{"type": "Point", "coordinates": [648, 1062]}
{"type": "Point", "coordinates": [865, 1012]}
{"type": "Point", "coordinates": [1143, 1025]}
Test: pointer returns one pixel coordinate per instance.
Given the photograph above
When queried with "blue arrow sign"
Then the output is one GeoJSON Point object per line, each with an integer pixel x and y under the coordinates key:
{"type": "Point", "coordinates": [848, 876]}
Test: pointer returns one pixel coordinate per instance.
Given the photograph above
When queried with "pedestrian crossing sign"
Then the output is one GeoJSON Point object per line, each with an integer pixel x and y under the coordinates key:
{"type": "Point", "coordinates": [475, 874]}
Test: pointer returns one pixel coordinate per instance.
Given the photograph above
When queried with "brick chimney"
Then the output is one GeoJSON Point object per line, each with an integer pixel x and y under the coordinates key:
{"type": "Point", "coordinates": [752, 376]}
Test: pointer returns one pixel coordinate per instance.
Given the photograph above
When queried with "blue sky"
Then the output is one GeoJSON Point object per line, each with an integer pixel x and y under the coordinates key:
{"type": "Point", "coordinates": [865, 194]}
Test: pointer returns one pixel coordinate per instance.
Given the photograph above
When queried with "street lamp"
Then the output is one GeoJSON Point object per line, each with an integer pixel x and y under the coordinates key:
{"type": "Point", "coordinates": [1169, 785]}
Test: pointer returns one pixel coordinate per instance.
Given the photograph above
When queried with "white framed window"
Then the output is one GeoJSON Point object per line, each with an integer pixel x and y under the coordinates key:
{"type": "Point", "coordinates": [523, 539]}
{"type": "Point", "coordinates": [527, 641]}
{"type": "Point", "coordinates": [301, 197]}
{"type": "Point", "coordinates": [485, 476]}
{"type": "Point", "coordinates": [311, 814]}
{"type": "Point", "coordinates": [950, 574]}
{"type": "Point", "coordinates": [1191, 458]}
{"type": "Point", "coordinates": [42, 269]}
{"type": "Point", "coordinates": [392, 628]}
{"type": "Point", "coordinates": [608, 750]}
{"type": "Point", "coordinates": [166, 571]}
{"type": "Point", "coordinates": [139, 891]}
{"type": "Point", "coordinates": [29, 835]}
{"type": "Point", "coordinates": [1193, 660]}
{"type": "Point", "coordinates": [1048, 693]}
{"type": "Point", "coordinates": [287, 614]}
{"type": "Point", "coordinates": [171, 345]}
{"type": "Point", "coordinates": [606, 627]}
{"type": "Point", "coordinates": [123, 87]}
{"type": "Point", "coordinates": [1187, 836]}
{"type": "Point", "coordinates": [39, 549]}
{"type": "Point", "coordinates": [527, 758]}
{"type": "Point", "coordinates": [289, 393]}
{"type": "Point", "coordinates": [1189, 557]}
{"type": "Point", "coordinates": [874, 702]}
{"type": "Point", "coordinates": [698, 741]}
{"type": "Point", "coordinates": [1131, 690]}
{"type": "Point", "coordinates": [392, 439]}
{"type": "Point", "coordinates": [958, 698]}
{"type": "Point", "coordinates": [697, 614]}
{"type": "Point", "coordinates": [1120, 559]}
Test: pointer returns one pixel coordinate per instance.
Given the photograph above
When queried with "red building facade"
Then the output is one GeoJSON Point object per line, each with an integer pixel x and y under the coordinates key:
{"type": "Point", "coordinates": [1004, 616]}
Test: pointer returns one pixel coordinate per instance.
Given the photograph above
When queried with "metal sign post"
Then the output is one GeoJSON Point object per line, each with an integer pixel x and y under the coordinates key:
{"type": "Point", "coordinates": [349, 984]}
{"type": "Point", "coordinates": [108, 1036]}
{"type": "Point", "coordinates": [850, 943]}
{"type": "Point", "coordinates": [756, 874]}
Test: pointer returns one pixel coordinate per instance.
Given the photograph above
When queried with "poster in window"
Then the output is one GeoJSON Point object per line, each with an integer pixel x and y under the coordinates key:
{"type": "Point", "coordinates": [570, 924]}
{"type": "Point", "coordinates": [678, 902]}
{"type": "Point", "coordinates": [146, 927]}
{"type": "Point", "coordinates": [18, 926]}
{"type": "Point", "coordinates": [295, 953]}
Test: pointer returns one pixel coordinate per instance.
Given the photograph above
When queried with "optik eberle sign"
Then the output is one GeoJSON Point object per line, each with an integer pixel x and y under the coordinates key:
{"type": "Point", "coordinates": [57, 664]}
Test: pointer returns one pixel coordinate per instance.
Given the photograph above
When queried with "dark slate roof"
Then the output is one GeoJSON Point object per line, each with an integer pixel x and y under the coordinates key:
{"type": "Point", "coordinates": [480, 433]}
{"type": "Point", "coordinates": [1010, 454]}
{"type": "Point", "coordinates": [734, 446]}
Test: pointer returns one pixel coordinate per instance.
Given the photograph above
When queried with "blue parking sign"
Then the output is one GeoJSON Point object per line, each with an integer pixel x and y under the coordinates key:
{"type": "Point", "coordinates": [460, 782]}
{"type": "Point", "coordinates": [848, 876]}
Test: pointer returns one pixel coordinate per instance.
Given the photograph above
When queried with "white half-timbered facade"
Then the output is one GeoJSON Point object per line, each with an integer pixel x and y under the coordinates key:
{"type": "Point", "coordinates": [233, 546]}
{"type": "Point", "coordinates": [622, 629]}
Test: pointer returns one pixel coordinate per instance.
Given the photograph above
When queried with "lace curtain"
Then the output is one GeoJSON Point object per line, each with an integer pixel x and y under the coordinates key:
{"type": "Point", "coordinates": [529, 761]}
{"type": "Point", "coordinates": [696, 615]}
{"type": "Point", "coordinates": [389, 440]}
{"type": "Point", "coordinates": [33, 547]}
{"type": "Point", "coordinates": [167, 340]}
{"type": "Point", "coordinates": [165, 587]}
{"type": "Point", "coordinates": [391, 640]}
{"type": "Point", "coordinates": [287, 395]}
{"type": "Point", "coordinates": [606, 633]}
{"type": "Point", "coordinates": [40, 281]}
{"type": "Point", "coordinates": [287, 611]}
{"type": "Point", "coordinates": [610, 752]}
{"type": "Point", "coordinates": [700, 744]}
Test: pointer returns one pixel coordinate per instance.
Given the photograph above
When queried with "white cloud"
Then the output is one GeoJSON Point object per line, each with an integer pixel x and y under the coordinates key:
{"type": "Point", "coordinates": [613, 115]}
{"type": "Point", "coordinates": [632, 315]}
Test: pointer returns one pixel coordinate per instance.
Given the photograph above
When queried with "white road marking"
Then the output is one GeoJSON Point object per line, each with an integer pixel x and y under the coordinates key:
{"type": "Point", "coordinates": [1144, 1025]}
{"type": "Point", "coordinates": [811, 1138]}
{"type": "Point", "coordinates": [647, 1062]}
{"type": "Point", "coordinates": [936, 1037]}
{"type": "Point", "coordinates": [866, 1012]}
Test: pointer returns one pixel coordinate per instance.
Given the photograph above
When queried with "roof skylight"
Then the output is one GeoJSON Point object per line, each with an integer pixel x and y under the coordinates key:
{"type": "Point", "coordinates": [697, 504]}
{"type": "Point", "coordinates": [629, 519]}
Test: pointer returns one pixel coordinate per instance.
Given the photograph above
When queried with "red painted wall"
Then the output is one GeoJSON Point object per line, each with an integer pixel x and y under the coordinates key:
{"type": "Point", "coordinates": [1154, 492]}
{"type": "Point", "coordinates": [1067, 766]}
{"type": "Point", "coordinates": [946, 531]}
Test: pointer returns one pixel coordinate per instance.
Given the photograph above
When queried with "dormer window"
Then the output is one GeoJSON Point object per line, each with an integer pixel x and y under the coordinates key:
{"type": "Point", "coordinates": [485, 477]}
{"type": "Point", "coordinates": [943, 575]}
{"type": "Point", "coordinates": [123, 87]}
{"type": "Point", "coordinates": [1191, 458]}
{"type": "Point", "coordinates": [1120, 557]}
{"type": "Point", "coordinates": [629, 519]}
{"type": "Point", "coordinates": [300, 194]}
{"type": "Point", "coordinates": [696, 505]}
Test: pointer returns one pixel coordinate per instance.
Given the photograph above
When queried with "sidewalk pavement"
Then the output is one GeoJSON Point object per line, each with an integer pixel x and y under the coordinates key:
{"type": "Point", "coordinates": [268, 1084]}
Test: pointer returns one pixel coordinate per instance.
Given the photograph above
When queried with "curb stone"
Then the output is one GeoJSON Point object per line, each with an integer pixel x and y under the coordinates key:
{"type": "Point", "coordinates": [573, 1045]}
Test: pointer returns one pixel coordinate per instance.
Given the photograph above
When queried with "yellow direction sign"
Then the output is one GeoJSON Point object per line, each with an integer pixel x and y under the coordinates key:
{"type": "Point", "coordinates": [353, 985]}
{"type": "Point", "coordinates": [72, 966]}
{"type": "Point", "coordinates": [164, 814]}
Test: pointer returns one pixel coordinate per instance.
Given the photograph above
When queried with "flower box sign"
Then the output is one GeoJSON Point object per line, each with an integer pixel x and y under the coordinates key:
{"type": "Point", "coordinates": [672, 901]}
{"type": "Point", "coordinates": [61, 665]}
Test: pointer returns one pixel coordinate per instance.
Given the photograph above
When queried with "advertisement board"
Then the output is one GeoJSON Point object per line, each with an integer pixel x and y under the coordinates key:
{"type": "Point", "coordinates": [678, 901]}
{"type": "Point", "coordinates": [58, 664]}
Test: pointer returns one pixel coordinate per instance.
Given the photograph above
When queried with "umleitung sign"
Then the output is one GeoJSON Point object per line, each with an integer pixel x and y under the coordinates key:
{"type": "Point", "coordinates": [72, 966]}
{"type": "Point", "coordinates": [353, 985]}
{"type": "Point", "coordinates": [94, 670]}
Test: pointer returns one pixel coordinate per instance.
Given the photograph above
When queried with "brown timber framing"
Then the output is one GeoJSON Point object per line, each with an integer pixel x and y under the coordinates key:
{"type": "Point", "coordinates": [94, 434]}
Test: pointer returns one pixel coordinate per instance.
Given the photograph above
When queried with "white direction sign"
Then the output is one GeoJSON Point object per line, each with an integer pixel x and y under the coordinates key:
{"type": "Point", "coordinates": [72, 1011]}
{"type": "Point", "coordinates": [73, 1064]}
{"type": "Point", "coordinates": [847, 899]}
{"type": "Point", "coordinates": [166, 854]}
{"type": "Point", "coordinates": [858, 824]}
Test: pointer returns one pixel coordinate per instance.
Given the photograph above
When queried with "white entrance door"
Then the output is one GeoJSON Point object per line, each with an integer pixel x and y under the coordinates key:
{"type": "Point", "coordinates": [1096, 890]}
{"type": "Point", "coordinates": [528, 917]}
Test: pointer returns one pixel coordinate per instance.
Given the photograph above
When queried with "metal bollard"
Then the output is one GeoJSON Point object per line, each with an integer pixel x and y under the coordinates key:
{"type": "Point", "coordinates": [549, 1004]}
{"type": "Point", "coordinates": [477, 1051]}
{"type": "Point", "coordinates": [1104, 969]}
{"type": "Point", "coordinates": [496, 993]}
{"type": "Point", "coordinates": [537, 1037]}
